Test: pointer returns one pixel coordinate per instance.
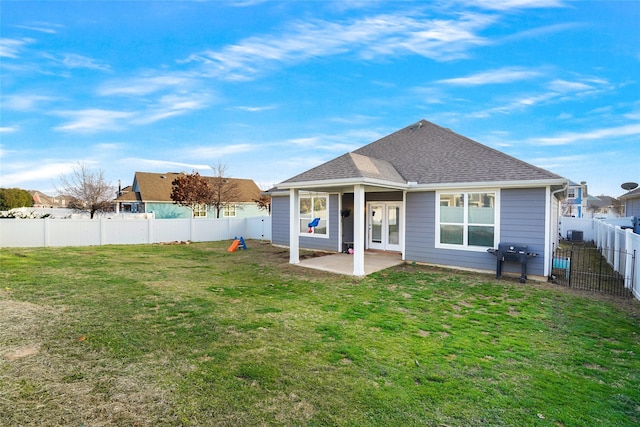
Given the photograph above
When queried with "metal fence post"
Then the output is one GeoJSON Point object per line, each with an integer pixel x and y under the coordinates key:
{"type": "Point", "coordinates": [571, 260]}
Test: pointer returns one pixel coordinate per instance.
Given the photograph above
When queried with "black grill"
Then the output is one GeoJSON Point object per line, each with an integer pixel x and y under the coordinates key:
{"type": "Point", "coordinates": [512, 252]}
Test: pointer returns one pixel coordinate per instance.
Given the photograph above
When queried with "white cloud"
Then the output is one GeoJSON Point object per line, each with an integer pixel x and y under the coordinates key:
{"type": "Point", "coordinates": [24, 102]}
{"type": "Point", "coordinates": [11, 48]}
{"type": "Point", "coordinates": [498, 76]}
{"type": "Point", "coordinates": [139, 86]}
{"type": "Point", "coordinates": [634, 115]}
{"type": "Point", "coordinates": [25, 173]}
{"type": "Point", "coordinates": [139, 164]}
{"type": "Point", "coordinates": [246, 3]}
{"type": "Point", "coordinates": [109, 147]}
{"type": "Point", "coordinates": [41, 27]}
{"type": "Point", "coordinates": [567, 86]}
{"type": "Point", "coordinates": [368, 38]}
{"type": "Point", "coordinates": [335, 143]}
{"type": "Point", "coordinates": [254, 109]}
{"type": "Point", "coordinates": [504, 5]}
{"type": "Point", "coordinates": [596, 134]}
{"type": "Point", "coordinates": [358, 119]}
{"type": "Point", "coordinates": [172, 105]}
{"type": "Point", "coordinates": [556, 91]}
{"type": "Point", "coordinates": [556, 162]}
{"type": "Point", "coordinates": [72, 60]}
{"type": "Point", "coordinates": [93, 120]}
{"type": "Point", "coordinates": [517, 104]}
{"type": "Point", "coordinates": [215, 152]}
{"type": "Point", "coordinates": [8, 129]}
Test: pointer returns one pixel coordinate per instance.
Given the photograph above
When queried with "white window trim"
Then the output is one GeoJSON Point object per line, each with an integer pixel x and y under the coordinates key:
{"type": "Point", "coordinates": [304, 195]}
{"type": "Point", "coordinates": [227, 209]}
{"type": "Point", "coordinates": [200, 211]}
{"type": "Point", "coordinates": [466, 247]}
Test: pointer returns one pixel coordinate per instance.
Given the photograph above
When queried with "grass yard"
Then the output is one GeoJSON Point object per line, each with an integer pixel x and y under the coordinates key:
{"type": "Point", "coordinates": [190, 335]}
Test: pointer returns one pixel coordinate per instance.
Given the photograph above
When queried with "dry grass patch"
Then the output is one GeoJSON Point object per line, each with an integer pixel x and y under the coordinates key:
{"type": "Point", "coordinates": [50, 378]}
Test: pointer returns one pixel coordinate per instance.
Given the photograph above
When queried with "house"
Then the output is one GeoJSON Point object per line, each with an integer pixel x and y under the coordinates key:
{"type": "Point", "coordinates": [426, 192]}
{"type": "Point", "coordinates": [575, 204]}
{"type": "Point", "coordinates": [631, 202]}
{"type": "Point", "coordinates": [151, 192]}
{"type": "Point", "coordinates": [604, 207]}
{"type": "Point", "coordinates": [41, 200]}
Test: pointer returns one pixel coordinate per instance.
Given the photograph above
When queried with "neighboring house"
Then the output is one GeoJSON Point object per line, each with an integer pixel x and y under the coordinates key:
{"type": "Point", "coordinates": [576, 202]}
{"type": "Point", "coordinates": [631, 202]}
{"type": "Point", "coordinates": [41, 200]}
{"type": "Point", "coordinates": [426, 192]}
{"type": "Point", "coordinates": [151, 193]}
{"type": "Point", "coordinates": [603, 207]}
{"type": "Point", "coordinates": [128, 201]}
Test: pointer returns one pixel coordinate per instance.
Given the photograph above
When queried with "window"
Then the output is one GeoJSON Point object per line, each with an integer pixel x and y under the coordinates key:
{"type": "Point", "coordinates": [467, 220]}
{"type": "Point", "coordinates": [314, 206]}
{"type": "Point", "coordinates": [229, 211]}
{"type": "Point", "coordinates": [571, 193]}
{"type": "Point", "coordinates": [200, 211]}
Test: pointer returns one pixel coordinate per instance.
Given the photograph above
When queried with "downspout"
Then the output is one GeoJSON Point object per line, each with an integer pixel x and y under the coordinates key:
{"type": "Point", "coordinates": [551, 245]}
{"type": "Point", "coordinates": [566, 186]}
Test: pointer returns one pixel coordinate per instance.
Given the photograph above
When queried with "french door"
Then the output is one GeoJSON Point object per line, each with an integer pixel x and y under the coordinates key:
{"type": "Point", "coordinates": [383, 225]}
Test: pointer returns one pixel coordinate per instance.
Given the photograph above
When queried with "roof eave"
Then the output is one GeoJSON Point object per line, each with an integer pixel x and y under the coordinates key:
{"type": "Point", "coordinates": [328, 183]}
{"type": "Point", "coordinates": [411, 186]}
{"type": "Point", "coordinates": [560, 182]}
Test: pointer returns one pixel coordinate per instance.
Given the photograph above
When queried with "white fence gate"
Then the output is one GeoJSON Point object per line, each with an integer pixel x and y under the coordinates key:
{"type": "Point", "coordinates": [105, 231]}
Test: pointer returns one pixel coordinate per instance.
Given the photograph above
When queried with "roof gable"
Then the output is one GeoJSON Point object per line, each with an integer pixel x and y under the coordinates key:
{"type": "Point", "coordinates": [349, 166]}
{"type": "Point", "coordinates": [425, 153]}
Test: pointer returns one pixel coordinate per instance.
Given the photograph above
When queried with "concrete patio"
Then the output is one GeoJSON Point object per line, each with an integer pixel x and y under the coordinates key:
{"type": "Point", "coordinates": [343, 263]}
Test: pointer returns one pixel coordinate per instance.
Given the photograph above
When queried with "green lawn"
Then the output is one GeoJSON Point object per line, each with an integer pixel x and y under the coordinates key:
{"type": "Point", "coordinates": [192, 335]}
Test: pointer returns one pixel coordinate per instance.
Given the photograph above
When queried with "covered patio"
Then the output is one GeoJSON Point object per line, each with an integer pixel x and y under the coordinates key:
{"type": "Point", "coordinates": [342, 263]}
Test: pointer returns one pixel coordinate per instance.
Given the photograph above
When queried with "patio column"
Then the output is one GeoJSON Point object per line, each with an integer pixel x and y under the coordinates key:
{"type": "Point", "coordinates": [294, 226]}
{"type": "Point", "coordinates": [358, 230]}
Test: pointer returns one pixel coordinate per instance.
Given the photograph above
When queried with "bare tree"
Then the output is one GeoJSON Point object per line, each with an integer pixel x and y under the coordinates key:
{"type": "Point", "coordinates": [88, 189]}
{"type": "Point", "coordinates": [264, 203]}
{"type": "Point", "coordinates": [225, 192]}
{"type": "Point", "coordinates": [192, 191]}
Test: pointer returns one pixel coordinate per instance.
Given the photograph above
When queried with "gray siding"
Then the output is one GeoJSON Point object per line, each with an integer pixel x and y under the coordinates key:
{"type": "Point", "coordinates": [632, 207]}
{"type": "Point", "coordinates": [522, 221]}
{"type": "Point", "coordinates": [280, 225]}
{"type": "Point", "coordinates": [280, 220]}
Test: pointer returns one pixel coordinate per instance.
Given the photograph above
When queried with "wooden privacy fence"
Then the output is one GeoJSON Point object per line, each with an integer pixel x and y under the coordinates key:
{"type": "Point", "coordinates": [104, 231]}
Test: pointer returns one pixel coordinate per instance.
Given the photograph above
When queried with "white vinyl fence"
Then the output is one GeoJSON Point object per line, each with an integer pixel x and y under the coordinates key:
{"type": "Point", "coordinates": [621, 248]}
{"type": "Point", "coordinates": [105, 231]}
{"type": "Point", "coordinates": [587, 226]}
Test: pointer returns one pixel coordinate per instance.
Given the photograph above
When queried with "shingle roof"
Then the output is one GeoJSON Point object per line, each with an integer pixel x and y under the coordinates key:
{"type": "Point", "coordinates": [128, 195]}
{"type": "Point", "coordinates": [156, 187]}
{"type": "Point", "coordinates": [426, 153]}
{"type": "Point", "coordinates": [352, 165]}
{"type": "Point", "coordinates": [631, 194]}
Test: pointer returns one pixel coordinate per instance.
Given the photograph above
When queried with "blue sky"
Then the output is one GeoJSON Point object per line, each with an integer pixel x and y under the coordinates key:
{"type": "Point", "coordinates": [271, 89]}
